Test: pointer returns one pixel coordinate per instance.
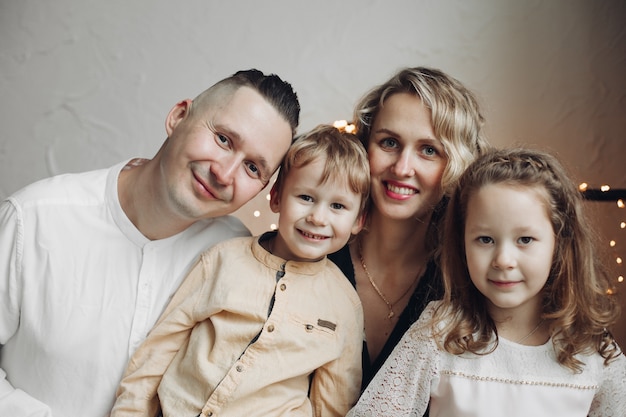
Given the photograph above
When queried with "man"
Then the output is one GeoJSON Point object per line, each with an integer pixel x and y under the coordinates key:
{"type": "Point", "coordinates": [89, 261]}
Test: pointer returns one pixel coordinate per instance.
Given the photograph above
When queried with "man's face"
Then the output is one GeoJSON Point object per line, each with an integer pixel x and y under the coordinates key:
{"type": "Point", "coordinates": [220, 156]}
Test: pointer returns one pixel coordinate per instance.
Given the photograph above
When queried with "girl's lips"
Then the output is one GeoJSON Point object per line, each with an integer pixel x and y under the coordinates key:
{"type": "Point", "coordinates": [504, 284]}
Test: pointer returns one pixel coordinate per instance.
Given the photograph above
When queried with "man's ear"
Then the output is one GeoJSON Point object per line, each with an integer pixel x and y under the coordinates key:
{"type": "Point", "coordinates": [178, 113]}
{"type": "Point", "coordinates": [275, 198]}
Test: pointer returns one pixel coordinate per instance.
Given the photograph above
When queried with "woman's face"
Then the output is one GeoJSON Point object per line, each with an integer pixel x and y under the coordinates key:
{"type": "Point", "coordinates": [406, 160]}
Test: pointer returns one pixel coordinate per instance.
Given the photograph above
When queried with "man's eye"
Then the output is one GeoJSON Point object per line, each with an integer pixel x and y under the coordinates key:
{"type": "Point", "coordinates": [222, 139]}
{"type": "Point", "coordinates": [253, 169]}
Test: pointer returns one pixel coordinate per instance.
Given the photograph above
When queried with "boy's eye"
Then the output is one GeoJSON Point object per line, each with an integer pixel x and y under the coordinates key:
{"type": "Point", "coordinates": [305, 197]}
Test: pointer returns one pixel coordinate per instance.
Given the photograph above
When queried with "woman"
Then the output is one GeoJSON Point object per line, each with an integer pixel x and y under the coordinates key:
{"type": "Point", "coordinates": [421, 129]}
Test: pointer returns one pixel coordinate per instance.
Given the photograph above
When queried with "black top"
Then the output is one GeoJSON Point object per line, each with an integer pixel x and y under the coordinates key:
{"type": "Point", "coordinates": [428, 289]}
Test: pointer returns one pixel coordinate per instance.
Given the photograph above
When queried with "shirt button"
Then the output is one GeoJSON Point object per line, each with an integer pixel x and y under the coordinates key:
{"type": "Point", "coordinates": [283, 287]}
{"type": "Point", "coordinates": [239, 368]}
{"type": "Point", "coordinates": [270, 328]}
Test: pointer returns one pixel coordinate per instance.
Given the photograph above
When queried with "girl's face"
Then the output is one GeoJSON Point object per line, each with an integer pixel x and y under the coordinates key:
{"type": "Point", "coordinates": [509, 244]}
{"type": "Point", "coordinates": [406, 159]}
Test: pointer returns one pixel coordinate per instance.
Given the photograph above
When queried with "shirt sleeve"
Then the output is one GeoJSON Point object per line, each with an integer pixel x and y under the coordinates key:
{"type": "Point", "coordinates": [13, 402]}
{"type": "Point", "coordinates": [402, 386]}
{"type": "Point", "coordinates": [137, 392]}
{"type": "Point", "coordinates": [609, 399]}
{"type": "Point", "coordinates": [335, 386]}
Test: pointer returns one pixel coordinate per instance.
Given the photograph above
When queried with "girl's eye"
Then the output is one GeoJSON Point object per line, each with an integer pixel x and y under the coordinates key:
{"type": "Point", "coordinates": [525, 240]}
{"type": "Point", "coordinates": [485, 240]}
{"type": "Point", "coordinates": [337, 206]}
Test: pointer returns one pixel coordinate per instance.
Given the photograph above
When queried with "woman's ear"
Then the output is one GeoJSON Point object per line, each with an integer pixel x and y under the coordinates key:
{"type": "Point", "coordinates": [275, 198]}
{"type": "Point", "coordinates": [178, 113]}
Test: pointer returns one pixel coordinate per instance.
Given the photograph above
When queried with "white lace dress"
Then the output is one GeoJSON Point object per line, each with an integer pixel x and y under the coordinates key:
{"type": "Point", "coordinates": [515, 380]}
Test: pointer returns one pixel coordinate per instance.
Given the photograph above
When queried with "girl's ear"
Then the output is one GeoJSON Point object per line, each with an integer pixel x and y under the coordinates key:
{"type": "Point", "coordinates": [275, 198]}
{"type": "Point", "coordinates": [178, 113]}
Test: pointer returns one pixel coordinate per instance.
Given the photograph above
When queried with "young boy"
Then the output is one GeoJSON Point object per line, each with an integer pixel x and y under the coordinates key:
{"type": "Point", "coordinates": [267, 326]}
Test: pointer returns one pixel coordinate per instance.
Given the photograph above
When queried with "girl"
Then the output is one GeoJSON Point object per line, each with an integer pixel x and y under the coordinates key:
{"type": "Point", "coordinates": [522, 328]}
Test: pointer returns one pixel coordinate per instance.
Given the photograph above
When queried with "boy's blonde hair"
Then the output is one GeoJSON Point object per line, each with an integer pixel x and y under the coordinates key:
{"type": "Point", "coordinates": [344, 155]}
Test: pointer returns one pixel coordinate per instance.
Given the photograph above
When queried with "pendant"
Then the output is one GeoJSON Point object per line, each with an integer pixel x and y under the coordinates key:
{"type": "Point", "coordinates": [391, 314]}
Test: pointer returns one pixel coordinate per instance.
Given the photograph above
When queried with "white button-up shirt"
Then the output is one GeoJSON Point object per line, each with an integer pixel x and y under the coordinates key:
{"type": "Point", "coordinates": [80, 287]}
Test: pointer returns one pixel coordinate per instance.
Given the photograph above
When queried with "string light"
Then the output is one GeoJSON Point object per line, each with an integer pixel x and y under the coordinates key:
{"type": "Point", "coordinates": [605, 193]}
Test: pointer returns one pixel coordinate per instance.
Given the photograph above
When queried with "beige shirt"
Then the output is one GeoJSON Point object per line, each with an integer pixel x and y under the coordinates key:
{"type": "Point", "coordinates": [216, 351]}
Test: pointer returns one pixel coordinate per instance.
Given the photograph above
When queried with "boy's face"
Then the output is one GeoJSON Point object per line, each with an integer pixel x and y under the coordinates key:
{"type": "Point", "coordinates": [315, 219]}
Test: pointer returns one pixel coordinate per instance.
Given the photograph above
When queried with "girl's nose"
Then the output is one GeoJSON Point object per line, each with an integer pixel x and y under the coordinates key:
{"type": "Point", "coordinates": [504, 258]}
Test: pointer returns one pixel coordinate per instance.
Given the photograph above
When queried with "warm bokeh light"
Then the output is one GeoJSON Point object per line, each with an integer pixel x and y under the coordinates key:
{"type": "Point", "coordinates": [273, 226]}
{"type": "Point", "coordinates": [256, 213]}
{"type": "Point", "coordinates": [605, 188]}
{"type": "Point", "coordinates": [344, 125]}
{"type": "Point", "coordinates": [618, 260]}
{"type": "Point", "coordinates": [583, 186]}
{"type": "Point", "coordinates": [612, 243]}
{"type": "Point", "coordinates": [620, 203]}
{"type": "Point", "coordinates": [620, 278]}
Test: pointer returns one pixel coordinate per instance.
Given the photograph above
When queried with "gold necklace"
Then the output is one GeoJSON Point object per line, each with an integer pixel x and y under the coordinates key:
{"type": "Point", "coordinates": [378, 291]}
{"type": "Point", "coordinates": [531, 332]}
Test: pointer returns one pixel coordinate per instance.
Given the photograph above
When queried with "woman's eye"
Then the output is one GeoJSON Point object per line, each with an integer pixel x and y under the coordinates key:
{"type": "Point", "coordinates": [430, 151]}
{"type": "Point", "coordinates": [389, 143]}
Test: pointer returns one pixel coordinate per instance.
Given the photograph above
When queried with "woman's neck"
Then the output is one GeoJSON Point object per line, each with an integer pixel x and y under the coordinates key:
{"type": "Point", "coordinates": [394, 239]}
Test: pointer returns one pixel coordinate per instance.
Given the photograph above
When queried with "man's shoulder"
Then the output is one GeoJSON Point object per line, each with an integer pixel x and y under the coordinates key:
{"type": "Point", "coordinates": [82, 185]}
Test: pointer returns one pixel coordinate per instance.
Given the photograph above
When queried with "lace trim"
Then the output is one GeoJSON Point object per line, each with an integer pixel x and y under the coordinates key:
{"type": "Point", "coordinates": [519, 382]}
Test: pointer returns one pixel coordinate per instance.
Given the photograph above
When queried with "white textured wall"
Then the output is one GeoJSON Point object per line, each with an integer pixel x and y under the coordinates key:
{"type": "Point", "coordinates": [85, 84]}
